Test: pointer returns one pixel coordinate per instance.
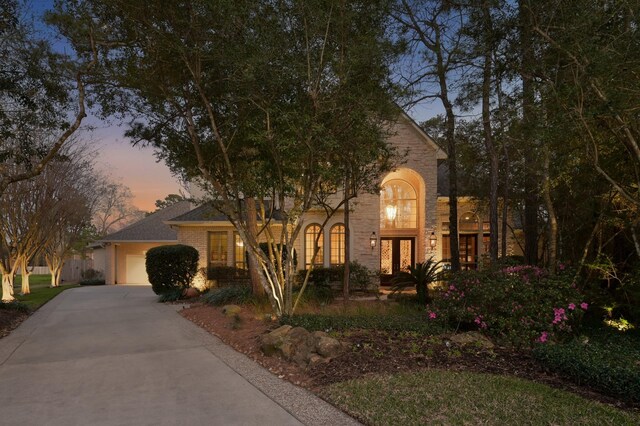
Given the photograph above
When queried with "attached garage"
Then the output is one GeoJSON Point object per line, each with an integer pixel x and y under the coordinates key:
{"type": "Point", "coordinates": [135, 268]}
{"type": "Point", "coordinates": [125, 250]}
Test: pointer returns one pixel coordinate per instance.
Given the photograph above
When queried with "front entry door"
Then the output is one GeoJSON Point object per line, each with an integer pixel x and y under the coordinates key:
{"type": "Point", "coordinates": [396, 254]}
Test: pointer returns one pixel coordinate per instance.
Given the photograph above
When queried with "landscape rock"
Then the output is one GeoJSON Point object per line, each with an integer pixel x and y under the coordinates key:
{"type": "Point", "coordinates": [231, 310]}
{"type": "Point", "coordinates": [271, 343]}
{"type": "Point", "coordinates": [190, 293]}
{"type": "Point", "coordinates": [299, 346]}
{"type": "Point", "coordinates": [328, 347]}
{"type": "Point", "coordinates": [472, 338]}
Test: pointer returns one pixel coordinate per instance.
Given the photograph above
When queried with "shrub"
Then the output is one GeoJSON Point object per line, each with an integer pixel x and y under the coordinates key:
{"type": "Point", "coordinates": [15, 306]}
{"type": "Point", "coordinates": [222, 276]}
{"type": "Point", "coordinates": [92, 281]}
{"type": "Point", "coordinates": [228, 295]}
{"type": "Point", "coordinates": [360, 277]}
{"type": "Point", "coordinates": [91, 274]}
{"type": "Point", "coordinates": [516, 305]}
{"type": "Point", "coordinates": [609, 366]}
{"type": "Point", "coordinates": [171, 267]}
{"type": "Point", "coordinates": [410, 322]}
{"type": "Point", "coordinates": [418, 276]}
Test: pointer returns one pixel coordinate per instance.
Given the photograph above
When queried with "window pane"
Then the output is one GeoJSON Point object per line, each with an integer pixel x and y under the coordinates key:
{"type": "Point", "coordinates": [309, 242]}
{"type": "Point", "coordinates": [446, 248]}
{"type": "Point", "coordinates": [398, 205]}
{"type": "Point", "coordinates": [469, 222]}
{"type": "Point", "coordinates": [240, 253]}
{"type": "Point", "coordinates": [218, 248]}
{"type": "Point", "coordinates": [337, 245]}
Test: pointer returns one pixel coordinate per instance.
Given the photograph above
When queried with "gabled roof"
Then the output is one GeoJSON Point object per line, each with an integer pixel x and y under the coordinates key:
{"type": "Point", "coordinates": [152, 228]}
{"type": "Point", "coordinates": [206, 213]}
{"type": "Point", "coordinates": [440, 154]}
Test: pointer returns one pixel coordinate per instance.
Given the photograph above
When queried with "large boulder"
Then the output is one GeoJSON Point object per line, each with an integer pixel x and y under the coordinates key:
{"type": "Point", "coordinates": [298, 345]}
{"type": "Point", "coordinates": [271, 343]}
{"type": "Point", "coordinates": [472, 338]}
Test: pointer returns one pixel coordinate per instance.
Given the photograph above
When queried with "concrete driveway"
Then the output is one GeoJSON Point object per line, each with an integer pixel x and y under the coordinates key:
{"type": "Point", "coordinates": [113, 356]}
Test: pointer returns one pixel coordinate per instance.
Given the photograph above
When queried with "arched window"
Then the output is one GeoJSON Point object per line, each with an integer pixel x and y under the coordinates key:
{"type": "Point", "coordinates": [398, 205]}
{"type": "Point", "coordinates": [469, 223]}
{"type": "Point", "coordinates": [337, 244]}
{"type": "Point", "coordinates": [310, 235]}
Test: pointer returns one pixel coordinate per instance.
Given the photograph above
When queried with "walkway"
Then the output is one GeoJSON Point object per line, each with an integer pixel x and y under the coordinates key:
{"type": "Point", "coordinates": [113, 356]}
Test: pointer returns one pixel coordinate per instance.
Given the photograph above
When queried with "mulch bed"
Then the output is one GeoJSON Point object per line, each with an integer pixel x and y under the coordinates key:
{"type": "Point", "coordinates": [10, 319]}
{"type": "Point", "coordinates": [375, 352]}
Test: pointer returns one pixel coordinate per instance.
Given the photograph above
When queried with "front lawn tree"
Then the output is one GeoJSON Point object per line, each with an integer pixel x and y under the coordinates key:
{"type": "Point", "coordinates": [46, 215]}
{"type": "Point", "coordinates": [254, 106]}
{"type": "Point", "coordinates": [41, 93]}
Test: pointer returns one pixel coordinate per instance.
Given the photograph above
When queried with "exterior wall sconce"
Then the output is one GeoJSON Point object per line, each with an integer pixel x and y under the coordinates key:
{"type": "Point", "coordinates": [433, 241]}
{"type": "Point", "coordinates": [373, 240]}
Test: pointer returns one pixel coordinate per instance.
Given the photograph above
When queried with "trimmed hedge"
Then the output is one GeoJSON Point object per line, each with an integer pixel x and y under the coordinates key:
{"type": "Point", "coordinates": [610, 368]}
{"type": "Point", "coordinates": [171, 268]}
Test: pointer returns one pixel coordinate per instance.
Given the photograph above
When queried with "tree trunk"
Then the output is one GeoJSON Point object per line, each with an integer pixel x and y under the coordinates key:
{"type": "Point", "coordinates": [347, 246]}
{"type": "Point", "coordinates": [7, 288]}
{"type": "Point", "coordinates": [488, 134]}
{"type": "Point", "coordinates": [530, 181]}
{"type": "Point", "coordinates": [505, 202]}
{"type": "Point", "coordinates": [254, 269]}
{"type": "Point", "coordinates": [553, 220]}
{"type": "Point", "coordinates": [25, 278]}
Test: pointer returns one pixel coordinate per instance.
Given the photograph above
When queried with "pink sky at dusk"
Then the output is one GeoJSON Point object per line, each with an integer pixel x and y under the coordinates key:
{"type": "Point", "coordinates": [134, 167]}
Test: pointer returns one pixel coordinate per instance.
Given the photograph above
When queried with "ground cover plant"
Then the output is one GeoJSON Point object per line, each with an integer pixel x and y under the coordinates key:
{"type": "Point", "coordinates": [601, 358]}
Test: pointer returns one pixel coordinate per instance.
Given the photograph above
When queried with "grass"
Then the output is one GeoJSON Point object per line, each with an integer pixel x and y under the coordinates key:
{"type": "Point", "coordinates": [447, 397]}
{"type": "Point", "coordinates": [41, 293]}
{"type": "Point", "coordinates": [35, 281]}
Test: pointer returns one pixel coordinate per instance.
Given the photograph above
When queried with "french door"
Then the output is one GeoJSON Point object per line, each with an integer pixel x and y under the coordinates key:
{"type": "Point", "coordinates": [396, 254]}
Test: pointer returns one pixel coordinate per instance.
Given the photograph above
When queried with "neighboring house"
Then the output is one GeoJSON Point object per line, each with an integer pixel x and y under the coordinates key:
{"type": "Point", "coordinates": [404, 224]}
{"type": "Point", "coordinates": [122, 254]}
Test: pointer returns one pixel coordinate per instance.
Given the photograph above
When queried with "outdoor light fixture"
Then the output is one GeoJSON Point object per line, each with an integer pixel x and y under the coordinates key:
{"type": "Point", "coordinates": [433, 240]}
{"type": "Point", "coordinates": [391, 212]}
{"type": "Point", "coordinates": [373, 240]}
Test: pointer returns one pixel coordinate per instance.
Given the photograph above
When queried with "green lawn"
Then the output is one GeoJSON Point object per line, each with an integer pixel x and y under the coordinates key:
{"type": "Point", "coordinates": [41, 293]}
{"type": "Point", "coordinates": [449, 397]}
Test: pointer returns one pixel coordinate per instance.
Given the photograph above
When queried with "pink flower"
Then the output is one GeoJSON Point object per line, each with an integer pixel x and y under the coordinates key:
{"type": "Point", "coordinates": [543, 337]}
{"type": "Point", "coordinates": [561, 266]}
{"type": "Point", "coordinates": [584, 305]}
{"type": "Point", "coordinates": [452, 287]}
{"type": "Point", "coordinates": [432, 315]}
{"type": "Point", "coordinates": [572, 306]}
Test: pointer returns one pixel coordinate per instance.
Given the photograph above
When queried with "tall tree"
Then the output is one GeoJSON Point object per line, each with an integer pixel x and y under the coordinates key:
{"type": "Point", "coordinates": [42, 98]}
{"type": "Point", "coordinates": [250, 106]}
{"type": "Point", "coordinates": [434, 32]}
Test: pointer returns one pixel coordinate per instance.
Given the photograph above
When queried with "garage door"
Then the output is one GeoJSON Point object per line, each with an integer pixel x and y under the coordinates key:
{"type": "Point", "coordinates": [136, 270]}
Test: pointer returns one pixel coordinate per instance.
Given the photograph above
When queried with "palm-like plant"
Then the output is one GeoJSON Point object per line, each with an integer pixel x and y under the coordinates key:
{"type": "Point", "coordinates": [418, 276]}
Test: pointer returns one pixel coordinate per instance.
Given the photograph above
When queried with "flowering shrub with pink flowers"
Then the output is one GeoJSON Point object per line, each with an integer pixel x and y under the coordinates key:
{"type": "Point", "coordinates": [517, 305]}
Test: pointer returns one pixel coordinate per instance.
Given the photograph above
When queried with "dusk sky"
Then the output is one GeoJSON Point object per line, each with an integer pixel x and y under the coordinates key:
{"type": "Point", "coordinates": [135, 167]}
